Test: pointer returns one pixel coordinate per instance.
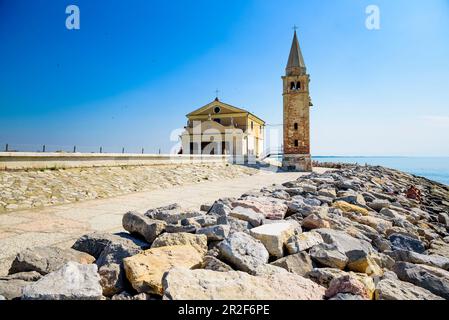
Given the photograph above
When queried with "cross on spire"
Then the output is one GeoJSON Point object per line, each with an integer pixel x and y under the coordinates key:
{"type": "Point", "coordinates": [295, 27]}
{"type": "Point", "coordinates": [216, 93]}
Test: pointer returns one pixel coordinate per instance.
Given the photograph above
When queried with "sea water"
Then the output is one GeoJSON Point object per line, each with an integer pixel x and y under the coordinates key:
{"type": "Point", "coordinates": [433, 168]}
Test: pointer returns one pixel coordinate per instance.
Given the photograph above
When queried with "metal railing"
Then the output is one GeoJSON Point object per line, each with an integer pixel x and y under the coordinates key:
{"type": "Point", "coordinates": [13, 147]}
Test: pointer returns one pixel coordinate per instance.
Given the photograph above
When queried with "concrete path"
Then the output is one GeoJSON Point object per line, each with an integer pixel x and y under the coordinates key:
{"type": "Point", "coordinates": [62, 225]}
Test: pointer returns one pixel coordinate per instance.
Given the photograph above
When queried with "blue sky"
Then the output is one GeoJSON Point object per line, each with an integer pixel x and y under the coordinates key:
{"type": "Point", "coordinates": [135, 68]}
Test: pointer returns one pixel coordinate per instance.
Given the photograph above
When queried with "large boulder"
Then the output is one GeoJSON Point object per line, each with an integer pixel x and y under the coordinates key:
{"type": "Point", "coordinates": [329, 255]}
{"type": "Point", "coordinates": [417, 258]}
{"type": "Point", "coordinates": [110, 267]}
{"type": "Point", "coordinates": [94, 243]}
{"type": "Point", "coordinates": [212, 263]}
{"type": "Point", "coordinates": [344, 242]}
{"type": "Point", "coordinates": [145, 270]}
{"type": "Point", "coordinates": [298, 263]}
{"type": "Point", "coordinates": [171, 213]}
{"type": "Point", "coordinates": [390, 289]}
{"type": "Point", "coordinates": [215, 233]}
{"type": "Point", "coordinates": [314, 221]}
{"type": "Point", "coordinates": [274, 236]}
{"type": "Point", "coordinates": [47, 259]}
{"type": "Point", "coordinates": [243, 252]}
{"type": "Point", "coordinates": [73, 281]}
{"type": "Point", "coordinates": [12, 289]}
{"type": "Point", "coordinates": [271, 208]}
{"type": "Point", "coordinates": [433, 279]}
{"type": "Point", "coordinates": [403, 242]}
{"type": "Point", "coordinates": [347, 207]}
{"type": "Point", "coordinates": [149, 229]}
{"type": "Point", "coordinates": [303, 241]}
{"type": "Point", "coordinates": [198, 241]}
{"type": "Point", "coordinates": [349, 284]}
{"type": "Point", "coordinates": [182, 284]}
{"type": "Point", "coordinates": [248, 214]}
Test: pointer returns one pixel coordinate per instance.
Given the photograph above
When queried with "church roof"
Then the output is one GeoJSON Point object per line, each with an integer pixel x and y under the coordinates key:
{"type": "Point", "coordinates": [231, 108]}
{"type": "Point", "coordinates": [295, 59]}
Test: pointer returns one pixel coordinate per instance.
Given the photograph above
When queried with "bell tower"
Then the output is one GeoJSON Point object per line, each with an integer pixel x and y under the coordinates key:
{"type": "Point", "coordinates": [297, 105]}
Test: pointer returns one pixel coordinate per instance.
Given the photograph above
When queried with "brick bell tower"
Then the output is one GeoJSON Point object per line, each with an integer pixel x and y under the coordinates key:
{"type": "Point", "coordinates": [297, 105]}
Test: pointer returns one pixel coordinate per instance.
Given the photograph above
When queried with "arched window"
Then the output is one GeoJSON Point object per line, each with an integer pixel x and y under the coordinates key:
{"type": "Point", "coordinates": [298, 85]}
{"type": "Point", "coordinates": [292, 86]}
{"type": "Point", "coordinates": [296, 143]}
{"type": "Point", "coordinates": [296, 126]}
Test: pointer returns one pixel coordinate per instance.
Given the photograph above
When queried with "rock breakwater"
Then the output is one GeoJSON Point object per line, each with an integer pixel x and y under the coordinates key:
{"type": "Point", "coordinates": [356, 233]}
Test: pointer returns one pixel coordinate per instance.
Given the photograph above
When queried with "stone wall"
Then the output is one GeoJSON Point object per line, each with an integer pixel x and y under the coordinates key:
{"type": "Point", "coordinates": [37, 160]}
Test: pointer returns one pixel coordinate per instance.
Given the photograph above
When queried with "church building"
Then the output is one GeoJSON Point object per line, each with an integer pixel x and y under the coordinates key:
{"type": "Point", "coordinates": [220, 128]}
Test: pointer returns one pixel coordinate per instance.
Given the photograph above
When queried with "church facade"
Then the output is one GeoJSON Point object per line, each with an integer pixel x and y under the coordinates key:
{"type": "Point", "coordinates": [297, 103]}
{"type": "Point", "coordinates": [220, 128]}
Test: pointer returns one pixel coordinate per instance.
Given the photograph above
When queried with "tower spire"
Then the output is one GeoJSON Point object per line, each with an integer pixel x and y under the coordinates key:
{"type": "Point", "coordinates": [295, 65]}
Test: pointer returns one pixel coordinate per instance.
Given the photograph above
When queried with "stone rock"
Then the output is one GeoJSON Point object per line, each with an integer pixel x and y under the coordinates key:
{"type": "Point", "coordinates": [182, 284]}
{"type": "Point", "coordinates": [12, 289]}
{"type": "Point", "coordinates": [215, 233]}
{"type": "Point", "coordinates": [313, 221]}
{"type": "Point", "coordinates": [402, 242]}
{"type": "Point", "coordinates": [330, 193]}
{"type": "Point", "coordinates": [299, 263]}
{"type": "Point", "coordinates": [303, 241]}
{"type": "Point", "coordinates": [355, 199]}
{"type": "Point", "coordinates": [73, 281]}
{"type": "Point", "coordinates": [206, 207]}
{"type": "Point", "coordinates": [433, 279]}
{"type": "Point", "coordinates": [323, 276]}
{"type": "Point", "coordinates": [379, 204]}
{"type": "Point", "coordinates": [171, 214]}
{"type": "Point", "coordinates": [47, 259]}
{"type": "Point", "coordinates": [268, 270]}
{"type": "Point", "coordinates": [361, 262]}
{"type": "Point", "coordinates": [110, 267]}
{"type": "Point", "coordinates": [94, 243]}
{"type": "Point", "coordinates": [389, 289]}
{"type": "Point", "coordinates": [344, 242]}
{"type": "Point", "coordinates": [443, 218]}
{"type": "Point", "coordinates": [274, 236]}
{"type": "Point", "coordinates": [198, 241]}
{"type": "Point", "coordinates": [329, 255]}
{"type": "Point", "coordinates": [200, 221]}
{"type": "Point", "coordinates": [178, 228]}
{"type": "Point", "coordinates": [439, 248]}
{"type": "Point", "coordinates": [25, 276]}
{"type": "Point", "coordinates": [348, 284]}
{"type": "Point", "coordinates": [220, 209]}
{"type": "Point", "coordinates": [346, 296]}
{"type": "Point", "coordinates": [347, 207]}
{"type": "Point", "coordinates": [145, 270]}
{"type": "Point", "coordinates": [271, 208]}
{"type": "Point", "coordinates": [378, 224]}
{"type": "Point", "coordinates": [125, 296]}
{"type": "Point", "coordinates": [238, 225]}
{"type": "Point", "coordinates": [136, 223]}
{"type": "Point", "coordinates": [243, 251]}
{"type": "Point", "coordinates": [416, 258]}
{"type": "Point", "coordinates": [247, 214]}
{"type": "Point", "coordinates": [214, 264]}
